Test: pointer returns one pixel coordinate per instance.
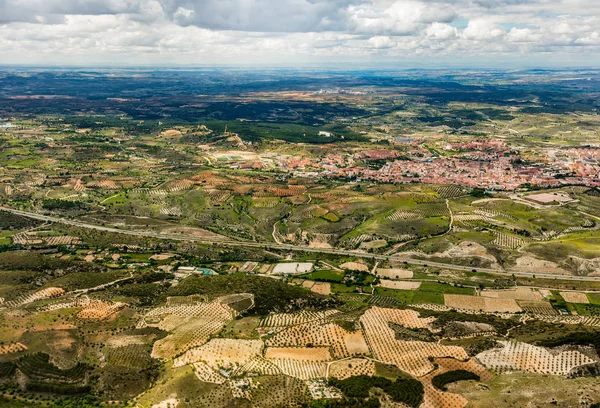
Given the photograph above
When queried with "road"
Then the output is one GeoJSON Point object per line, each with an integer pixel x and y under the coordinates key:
{"type": "Point", "coordinates": [297, 248]}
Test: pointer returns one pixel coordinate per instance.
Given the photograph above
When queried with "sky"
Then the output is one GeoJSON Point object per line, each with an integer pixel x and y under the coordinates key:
{"type": "Point", "coordinates": [295, 33]}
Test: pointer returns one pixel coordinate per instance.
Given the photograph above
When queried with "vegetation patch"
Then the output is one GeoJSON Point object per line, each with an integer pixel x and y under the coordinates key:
{"type": "Point", "coordinates": [54, 204]}
{"type": "Point", "coordinates": [440, 381]}
{"type": "Point", "coordinates": [405, 390]}
{"type": "Point", "coordinates": [325, 276]}
{"type": "Point", "coordinates": [43, 376]}
{"type": "Point", "coordinates": [270, 295]}
{"type": "Point", "coordinates": [10, 221]}
{"type": "Point", "coordinates": [582, 338]}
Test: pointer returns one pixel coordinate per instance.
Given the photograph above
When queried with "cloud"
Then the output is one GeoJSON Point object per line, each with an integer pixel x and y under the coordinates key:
{"type": "Point", "coordinates": [381, 42]}
{"type": "Point", "coordinates": [522, 35]}
{"type": "Point", "coordinates": [53, 11]}
{"type": "Point", "coordinates": [399, 18]}
{"type": "Point", "coordinates": [440, 31]}
{"type": "Point", "coordinates": [260, 15]}
{"type": "Point", "coordinates": [592, 39]}
{"type": "Point", "coordinates": [482, 30]}
{"type": "Point", "coordinates": [259, 31]}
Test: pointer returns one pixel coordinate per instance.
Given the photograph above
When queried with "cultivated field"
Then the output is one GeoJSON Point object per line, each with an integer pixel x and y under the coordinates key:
{"type": "Point", "coordinates": [343, 343]}
{"type": "Point", "coordinates": [32, 239]}
{"type": "Point", "coordinates": [299, 353]}
{"type": "Point", "coordinates": [351, 367]}
{"type": "Point", "coordinates": [394, 273]}
{"type": "Point", "coordinates": [301, 369]}
{"type": "Point", "coordinates": [508, 241]}
{"type": "Point", "coordinates": [291, 319]}
{"type": "Point", "coordinates": [525, 357]}
{"type": "Point", "coordinates": [355, 266]}
{"type": "Point", "coordinates": [481, 303]}
{"type": "Point", "coordinates": [538, 308]}
{"type": "Point", "coordinates": [436, 187]}
{"type": "Point", "coordinates": [519, 293]}
{"type": "Point", "coordinates": [410, 356]}
{"type": "Point", "coordinates": [257, 365]}
{"type": "Point", "coordinates": [575, 297]}
{"type": "Point", "coordinates": [35, 296]}
{"type": "Point", "coordinates": [436, 398]}
{"type": "Point", "coordinates": [12, 348]}
{"type": "Point", "coordinates": [207, 374]}
{"type": "Point", "coordinates": [100, 310]}
{"type": "Point", "coordinates": [221, 353]}
{"type": "Point", "coordinates": [402, 285]}
{"type": "Point", "coordinates": [322, 288]}
{"type": "Point", "coordinates": [190, 325]}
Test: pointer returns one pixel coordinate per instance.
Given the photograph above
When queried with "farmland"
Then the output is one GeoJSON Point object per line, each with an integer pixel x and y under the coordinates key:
{"type": "Point", "coordinates": [236, 332]}
{"type": "Point", "coordinates": [222, 238]}
{"type": "Point", "coordinates": [341, 346]}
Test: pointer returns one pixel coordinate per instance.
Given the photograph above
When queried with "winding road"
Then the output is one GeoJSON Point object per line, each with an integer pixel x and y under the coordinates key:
{"type": "Point", "coordinates": [288, 247]}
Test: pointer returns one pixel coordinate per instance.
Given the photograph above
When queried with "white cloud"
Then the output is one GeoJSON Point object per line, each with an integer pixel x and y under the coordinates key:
{"type": "Point", "coordinates": [287, 31]}
{"type": "Point", "coordinates": [592, 39]}
{"type": "Point", "coordinates": [441, 31]}
{"type": "Point", "coordinates": [260, 15]}
{"type": "Point", "coordinates": [381, 42]}
{"type": "Point", "coordinates": [482, 30]}
{"type": "Point", "coordinates": [399, 18]}
{"type": "Point", "coordinates": [51, 11]}
{"type": "Point", "coordinates": [522, 35]}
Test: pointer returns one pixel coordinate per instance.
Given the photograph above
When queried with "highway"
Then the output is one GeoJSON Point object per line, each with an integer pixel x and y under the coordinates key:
{"type": "Point", "coordinates": [297, 248]}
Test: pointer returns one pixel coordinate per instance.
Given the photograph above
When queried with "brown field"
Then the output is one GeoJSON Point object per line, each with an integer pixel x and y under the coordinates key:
{"type": "Point", "coordinates": [104, 184]}
{"type": "Point", "coordinates": [30, 238]}
{"type": "Point", "coordinates": [406, 317]}
{"type": "Point", "coordinates": [190, 333]}
{"type": "Point", "coordinates": [258, 365]}
{"type": "Point", "coordinates": [435, 398]}
{"type": "Point", "coordinates": [100, 310]}
{"type": "Point", "coordinates": [219, 353]}
{"type": "Point", "coordinates": [520, 293]}
{"type": "Point", "coordinates": [355, 266]}
{"type": "Point", "coordinates": [394, 273]}
{"type": "Point", "coordinates": [290, 319]}
{"type": "Point", "coordinates": [190, 325]}
{"type": "Point", "coordinates": [12, 348]}
{"type": "Point", "coordinates": [481, 303]}
{"type": "Point", "coordinates": [343, 343]}
{"type": "Point", "coordinates": [355, 343]}
{"type": "Point", "coordinates": [403, 285]}
{"type": "Point", "coordinates": [411, 357]}
{"type": "Point", "coordinates": [526, 357]}
{"type": "Point", "coordinates": [538, 308]}
{"type": "Point", "coordinates": [162, 257]}
{"type": "Point", "coordinates": [347, 368]}
{"type": "Point", "coordinates": [191, 231]}
{"type": "Point", "coordinates": [299, 353]}
{"type": "Point", "coordinates": [304, 370]}
{"type": "Point", "coordinates": [308, 284]}
{"type": "Point", "coordinates": [322, 288]}
{"type": "Point", "coordinates": [575, 297]}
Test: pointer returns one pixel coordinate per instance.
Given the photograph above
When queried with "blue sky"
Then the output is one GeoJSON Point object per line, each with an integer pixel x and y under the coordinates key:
{"type": "Point", "coordinates": [402, 33]}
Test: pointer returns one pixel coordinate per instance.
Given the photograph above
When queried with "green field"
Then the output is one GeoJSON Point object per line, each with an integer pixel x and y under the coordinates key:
{"type": "Point", "coordinates": [325, 276]}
